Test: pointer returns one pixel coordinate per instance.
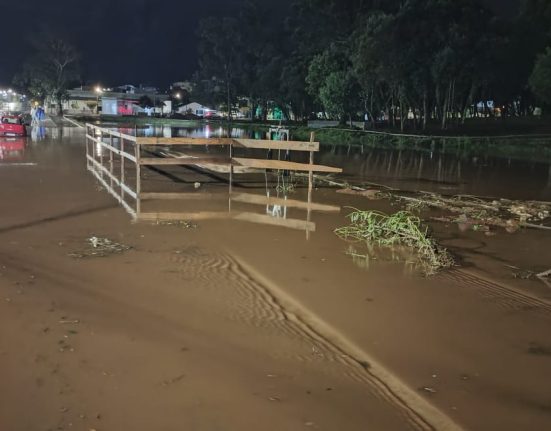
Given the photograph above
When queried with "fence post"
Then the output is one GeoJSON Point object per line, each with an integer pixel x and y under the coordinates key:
{"type": "Point", "coordinates": [231, 168]}
{"type": "Point", "coordinates": [87, 147]}
{"type": "Point", "coordinates": [311, 173]}
{"type": "Point", "coordinates": [138, 176]}
{"type": "Point", "coordinates": [102, 149]}
{"type": "Point", "coordinates": [111, 157]}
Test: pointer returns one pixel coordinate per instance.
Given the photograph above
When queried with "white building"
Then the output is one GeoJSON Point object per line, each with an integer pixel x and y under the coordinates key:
{"type": "Point", "coordinates": [196, 109]}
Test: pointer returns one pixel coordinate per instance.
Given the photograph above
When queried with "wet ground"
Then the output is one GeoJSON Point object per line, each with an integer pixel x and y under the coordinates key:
{"type": "Point", "coordinates": [223, 324]}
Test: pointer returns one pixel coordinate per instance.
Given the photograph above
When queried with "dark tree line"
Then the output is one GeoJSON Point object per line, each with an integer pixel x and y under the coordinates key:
{"type": "Point", "coordinates": [414, 61]}
{"type": "Point", "coordinates": [50, 71]}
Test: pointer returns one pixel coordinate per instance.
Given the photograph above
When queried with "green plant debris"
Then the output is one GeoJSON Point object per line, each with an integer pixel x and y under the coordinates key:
{"type": "Point", "coordinates": [399, 229]}
{"type": "Point", "coordinates": [286, 183]}
{"type": "Point", "coordinates": [100, 247]}
{"type": "Point", "coordinates": [285, 188]}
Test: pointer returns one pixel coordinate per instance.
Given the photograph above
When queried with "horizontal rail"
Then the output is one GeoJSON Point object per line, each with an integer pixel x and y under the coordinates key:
{"type": "Point", "coordinates": [273, 221]}
{"type": "Point", "coordinates": [166, 216]}
{"type": "Point", "coordinates": [277, 145]}
{"type": "Point", "coordinates": [249, 198]}
{"type": "Point", "coordinates": [242, 143]}
{"type": "Point", "coordinates": [184, 161]}
{"type": "Point", "coordinates": [283, 165]}
{"type": "Point", "coordinates": [112, 132]}
{"type": "Point", "coordinates": [113, 149]}
{"type": "Point", "coordinates": [176, 196]}
{"type": "Point", "coordinates": [184, 141]}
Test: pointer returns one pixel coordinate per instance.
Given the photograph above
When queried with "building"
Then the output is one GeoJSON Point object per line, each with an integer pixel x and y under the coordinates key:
{"type": "Point", "coordinates": [124, 100]}
{"type": "Point", "coordinates": [196, 109]}
{"type": "Point", "coordinates": [10, 101]}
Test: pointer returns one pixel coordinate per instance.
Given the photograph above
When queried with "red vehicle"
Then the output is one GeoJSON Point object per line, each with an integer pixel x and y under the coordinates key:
{"type": "Point", "coordinates": [12, 125]}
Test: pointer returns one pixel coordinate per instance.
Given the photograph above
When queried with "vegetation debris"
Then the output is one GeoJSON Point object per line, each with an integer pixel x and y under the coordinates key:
{"type": "Point", "coordinates": [468, 212]}
{"type": "Point", "coordinates": [479, 214]}
{"type": "Point", "coordinates": [100, 247]}
{"type": "Point", "coordinates": [399, 229]}
{"type": "Point", "coordinates": [184, 224]}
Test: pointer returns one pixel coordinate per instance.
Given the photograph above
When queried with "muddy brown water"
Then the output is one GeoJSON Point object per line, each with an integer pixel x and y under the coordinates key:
{"type": "Point", "coordinates": [232, 324]}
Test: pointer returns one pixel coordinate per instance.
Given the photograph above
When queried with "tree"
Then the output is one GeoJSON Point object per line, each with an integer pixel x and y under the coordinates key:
{"type": "Point", "coordinates": [219, 54]}
{"type": "Point", "coordinates": [338, 95]}
{"type": "Point", "coordinates": [50, 71]}
{"type": "Point", "coordinates": [145, 102]}
{"type": "Point", "coordinates": [332, 84]}
{"type": "Point", "coordinates": [540, 80]}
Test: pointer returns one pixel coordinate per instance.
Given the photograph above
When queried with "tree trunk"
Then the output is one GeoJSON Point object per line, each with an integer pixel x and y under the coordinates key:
{"type": "Point", "coordinates": [228, 100]}
{"type": "Point", "coordinates": [446, 106]}
{"type": "Point", "coordinates": [425, 113]}
{"type": "Point", "coordinates": [401, 116]}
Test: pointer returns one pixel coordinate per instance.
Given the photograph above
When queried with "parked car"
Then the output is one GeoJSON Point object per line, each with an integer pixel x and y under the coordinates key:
{"type": "Point", "coordinates": [12, 125]}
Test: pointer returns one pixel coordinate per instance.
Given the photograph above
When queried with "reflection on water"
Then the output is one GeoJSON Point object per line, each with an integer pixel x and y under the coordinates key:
{"type": "Point", "coordinates": [39, 133]}
{"type": "Point", "coordinates": [437, 171]}
{"type": "Point", "coordinates": [443, 173]}
{"type": "Point", "coordinates": [12, 149]}
{"type": "Point", "coordinates": [202, 131]}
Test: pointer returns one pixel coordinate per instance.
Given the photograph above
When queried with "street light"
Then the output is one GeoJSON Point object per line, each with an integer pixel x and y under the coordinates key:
{"type": "Point", "coordinates": [98, 93]}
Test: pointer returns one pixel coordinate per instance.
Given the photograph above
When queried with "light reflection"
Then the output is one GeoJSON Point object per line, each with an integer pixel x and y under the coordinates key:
{"type": "Point", "coordinates": [12, 149]}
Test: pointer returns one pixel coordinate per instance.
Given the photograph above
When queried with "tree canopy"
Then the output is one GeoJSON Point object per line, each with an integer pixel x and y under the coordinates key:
{"type": "Point", "coordinates": [406, 63]}
{"type": "Point", "coordinates": [51, 70]}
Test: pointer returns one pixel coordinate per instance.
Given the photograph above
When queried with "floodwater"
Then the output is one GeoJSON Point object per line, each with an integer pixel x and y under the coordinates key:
{"type": "Point", "coordinates": [439, 172]}
{"type": "Point", "coordinates": [258, 321]}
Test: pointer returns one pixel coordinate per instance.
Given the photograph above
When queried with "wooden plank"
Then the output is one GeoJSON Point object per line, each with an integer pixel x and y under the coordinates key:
{"type": "Point", "coordinates": [111, 132]}
{"type": "Point", "coordinates": [249, 198]}
{"type": "Point", "coordinates": [277, 145]}
{"type": "Point", "coordinates": [113, 149]}
{"type": "Point", "coordinates": [167, 216]}
{"type": "Point", "coordinates": [283, 165]}
{"type": "Point", "coordinates": [179, 161]}
{"type": "Point", "coordinates": [273, 221]}
{"type": "Point", "coordinates": [184, 141]}
{"type": "Point", "coordinates": [176, 196]}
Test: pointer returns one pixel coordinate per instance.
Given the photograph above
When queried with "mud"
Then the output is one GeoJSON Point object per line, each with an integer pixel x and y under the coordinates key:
{"type": "Point", "coordinates": [234, 324]}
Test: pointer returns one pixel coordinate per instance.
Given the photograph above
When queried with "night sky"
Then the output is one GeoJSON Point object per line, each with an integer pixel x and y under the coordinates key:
{"type": "Point", "coordinates": [121, 41]}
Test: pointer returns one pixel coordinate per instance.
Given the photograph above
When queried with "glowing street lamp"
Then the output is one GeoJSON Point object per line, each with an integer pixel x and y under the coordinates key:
{"type": "Point", "coordinates": [98, 91]}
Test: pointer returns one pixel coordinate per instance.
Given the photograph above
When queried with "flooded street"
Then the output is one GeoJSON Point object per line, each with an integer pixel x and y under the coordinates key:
{"type": "Point", "coordinates": [248, 313]}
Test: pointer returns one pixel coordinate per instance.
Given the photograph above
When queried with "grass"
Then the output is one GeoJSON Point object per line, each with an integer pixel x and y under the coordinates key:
{"type": "Point", "coordinates": [399, 229]}
{"type": "Point", "coordinates": [532, 148]}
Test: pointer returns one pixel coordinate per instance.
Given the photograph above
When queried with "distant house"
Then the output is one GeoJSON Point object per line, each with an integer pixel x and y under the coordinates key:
{"type": "Point", "coordinates": [128, 88]}
{"type": "Point", "coordinates": [196, 109]}
{"type": "Point", "coordinates": [123, 100]}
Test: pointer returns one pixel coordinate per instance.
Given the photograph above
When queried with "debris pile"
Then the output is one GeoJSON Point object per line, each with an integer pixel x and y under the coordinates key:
{"type": "Point", "coordinates": [100, 247]}
{"type": "Point", "coordinates": [474, 213]}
